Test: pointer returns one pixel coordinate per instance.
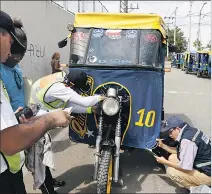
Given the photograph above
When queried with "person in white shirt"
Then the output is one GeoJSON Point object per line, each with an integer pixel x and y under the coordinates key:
{"type": "Point", "coordinates": [60, 90]}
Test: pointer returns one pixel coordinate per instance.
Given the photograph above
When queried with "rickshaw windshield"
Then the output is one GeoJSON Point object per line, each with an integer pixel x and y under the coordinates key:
{"type": "Point", "coordinates": [117, 47]}
{"type": "Point", "coordinates": [204, 57]}
{"type": "Point", "coordinates": [112, 47]}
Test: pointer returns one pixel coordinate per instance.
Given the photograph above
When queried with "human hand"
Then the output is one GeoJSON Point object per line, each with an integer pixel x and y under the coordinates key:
{"type": "Point", "coordinates": [60, 118]}
{"type": "Point", "coordinates": [161, 160]}
{"type": "Point", "coordinates": [160, 143]}
{"type": "Point", "coordinates": [102, 98]}
{"type": "Point", "coordinates": [63, 65]}
{"type": "Point", "coordinates": [19, 109]}
{"type": "Point", "coordinates": [22, 118]}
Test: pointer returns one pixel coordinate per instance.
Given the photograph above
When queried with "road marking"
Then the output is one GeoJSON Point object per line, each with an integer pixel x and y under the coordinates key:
{"type": "Point", "coordinates": [183, 92]}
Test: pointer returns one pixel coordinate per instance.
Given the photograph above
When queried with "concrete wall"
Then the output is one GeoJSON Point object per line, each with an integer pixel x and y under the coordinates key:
{"type": "Point", "coordinates": [45, 24]}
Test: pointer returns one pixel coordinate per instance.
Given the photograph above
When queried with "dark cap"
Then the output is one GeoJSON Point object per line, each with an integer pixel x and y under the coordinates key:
{"type": "Point", "coordinates": [7, 23]}
{"type": "Point", "coordinates": [78, 78]}
{"type": "Point", "coordinates": [172, 122]}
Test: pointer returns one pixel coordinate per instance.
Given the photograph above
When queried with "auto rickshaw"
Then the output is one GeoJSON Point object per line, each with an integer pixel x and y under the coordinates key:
{"type": "Point", "coordinates": [209, 63]}
{"type": "Point", "coordinates": [174, 60]}
{"type": "Point", "coordinates": [189, 63]}
{"type": "Point", "coordinates": [123, 56]}
{"type": "Point", "coordinates": [179, 61]}
{"type": "Point", "coordinates": [203, 67]}
{"type": "Point", "coordinates": [198, 58]}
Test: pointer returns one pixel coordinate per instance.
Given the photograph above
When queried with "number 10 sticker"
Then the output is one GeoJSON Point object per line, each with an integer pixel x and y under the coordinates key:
{"type": "Point", "coordinates": [148, 121]}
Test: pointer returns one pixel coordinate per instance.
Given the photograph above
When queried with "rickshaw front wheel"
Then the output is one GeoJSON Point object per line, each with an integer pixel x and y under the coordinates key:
{"type": "Point", "coordinates": [105, 172]}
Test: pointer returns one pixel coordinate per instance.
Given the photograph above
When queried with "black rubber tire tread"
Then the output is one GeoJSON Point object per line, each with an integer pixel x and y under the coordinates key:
{"type": "Point", "coordinates": [198, 74]}
{"type": "Point", "coordinates": [102, 177]}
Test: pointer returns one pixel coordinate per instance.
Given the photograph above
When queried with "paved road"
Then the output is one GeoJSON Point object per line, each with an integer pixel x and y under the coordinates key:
{"type": "Point", "coordinates": [185, 95]}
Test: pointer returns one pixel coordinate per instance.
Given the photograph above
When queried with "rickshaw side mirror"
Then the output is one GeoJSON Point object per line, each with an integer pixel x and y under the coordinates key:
{"type": "Point", "coordinates": [64, 42]}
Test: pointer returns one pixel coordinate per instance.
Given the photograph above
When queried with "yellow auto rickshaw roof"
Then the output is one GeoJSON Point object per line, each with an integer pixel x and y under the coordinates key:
{"type": "Point", "coordinates": [203, 51]}
{"type": "Point", "coordinates": [120, 21]}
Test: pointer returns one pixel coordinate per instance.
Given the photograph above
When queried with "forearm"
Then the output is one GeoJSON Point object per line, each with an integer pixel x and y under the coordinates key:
{"type": "Point", "coordinates": [171, 150]}
{"type": "Point", "coordinates": [84, 101]}
{"type": "Point", "coordinates": [80, 110]}
{"type": "Point", "coordinates": [19, 137]}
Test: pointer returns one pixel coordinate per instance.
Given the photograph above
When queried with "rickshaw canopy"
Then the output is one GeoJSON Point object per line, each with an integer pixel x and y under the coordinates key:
{"type": "Point", "coordinates": [203, 52]}
{"type": "Point", "coordinates": [120, 21]}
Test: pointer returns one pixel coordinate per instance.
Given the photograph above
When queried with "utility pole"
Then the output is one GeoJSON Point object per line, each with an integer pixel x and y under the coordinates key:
{"type": "Point", "coordinates": [189, 37]}
{"type": "Point", "coordinates": [167, 41]}
{"type": "Point", "coordinates": [169, 18]}
{"type": "Point", "coordinates": [175, 15]}
{"type": "Point", "coordinates": [124, 7]}
{"type": "Point", "coordinates": [200, 14]}
{"type": "Point", "coordinates": [167, 31]}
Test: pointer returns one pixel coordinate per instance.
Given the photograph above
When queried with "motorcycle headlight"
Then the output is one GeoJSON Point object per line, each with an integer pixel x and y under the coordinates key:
{"type": "Point", "coordinates": [110, 106]}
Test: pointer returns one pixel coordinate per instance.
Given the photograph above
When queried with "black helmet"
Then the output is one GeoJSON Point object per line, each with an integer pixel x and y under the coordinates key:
{"type": "Point", "coordinates": [78, 78]}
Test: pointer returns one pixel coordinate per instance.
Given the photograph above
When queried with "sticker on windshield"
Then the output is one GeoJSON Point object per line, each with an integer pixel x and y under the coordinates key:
{"type": "Point", "coordinates": [80, 36]}
{"type": "Point", "coordinates": [91, 50]}
{"type": "Point", "coordinates": [113, 34]}
{"type": "Point", "coordinates": [98, 33]}
{"type": "Point", "coordinates": [151, 38]}
{"type": "Point", "coordinates": [92, 59]}
{"type": "Point", "coordinates": [102, 61]}
{"type": "Point", "coordinates": [131, 34]}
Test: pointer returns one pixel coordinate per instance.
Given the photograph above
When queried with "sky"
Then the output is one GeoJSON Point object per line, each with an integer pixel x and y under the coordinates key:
{"type": "Point", "coordinates": [166, 9]}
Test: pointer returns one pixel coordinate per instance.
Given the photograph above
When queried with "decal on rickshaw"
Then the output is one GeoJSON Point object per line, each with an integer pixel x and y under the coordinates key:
{"type": "Point", "coordinates": [78, 47]}
{"type": "Point", "coordinates": [113, 34]}
{"type": "Point", "coordinates": [80, 36]}
{"type": "Point", "coordinates": [92, 59]}
{"type": "Point", "coordinates": [131, 34]}
{"type": "Point", "coordinates": [91, 50]}
{"type": "Point", "coordinates": [98, 33]}
{"type": "Point", "coordinates": [150, 38]}
{"type": "Point", "coordinates": [79, 123]}
{"type": "Point", "coordinates": [147, 120]}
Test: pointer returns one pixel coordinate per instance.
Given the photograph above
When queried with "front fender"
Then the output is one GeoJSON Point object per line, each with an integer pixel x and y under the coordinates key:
{"type": "Point", "coordinates": [108, 142]}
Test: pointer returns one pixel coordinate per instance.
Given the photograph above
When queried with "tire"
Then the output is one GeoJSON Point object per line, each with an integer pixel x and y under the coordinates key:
{"type": "Point", "coordinates": [105, 172]}
{"type": "Point", "coordinates": [199, 73]}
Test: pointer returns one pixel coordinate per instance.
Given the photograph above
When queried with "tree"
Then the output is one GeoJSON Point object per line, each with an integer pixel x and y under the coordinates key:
{"type": "Point", "coordinates": [197, 44]}
{"type": "Point", "coordinates": [208, 45]}
{"type": "Point", "coordinates": [181, 43]}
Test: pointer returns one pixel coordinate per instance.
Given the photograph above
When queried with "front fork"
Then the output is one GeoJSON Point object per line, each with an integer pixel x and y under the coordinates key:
{"type": "Point", "coordinates": [116, 149]}
{"type": "Point", "coordinates": [98, 140]}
